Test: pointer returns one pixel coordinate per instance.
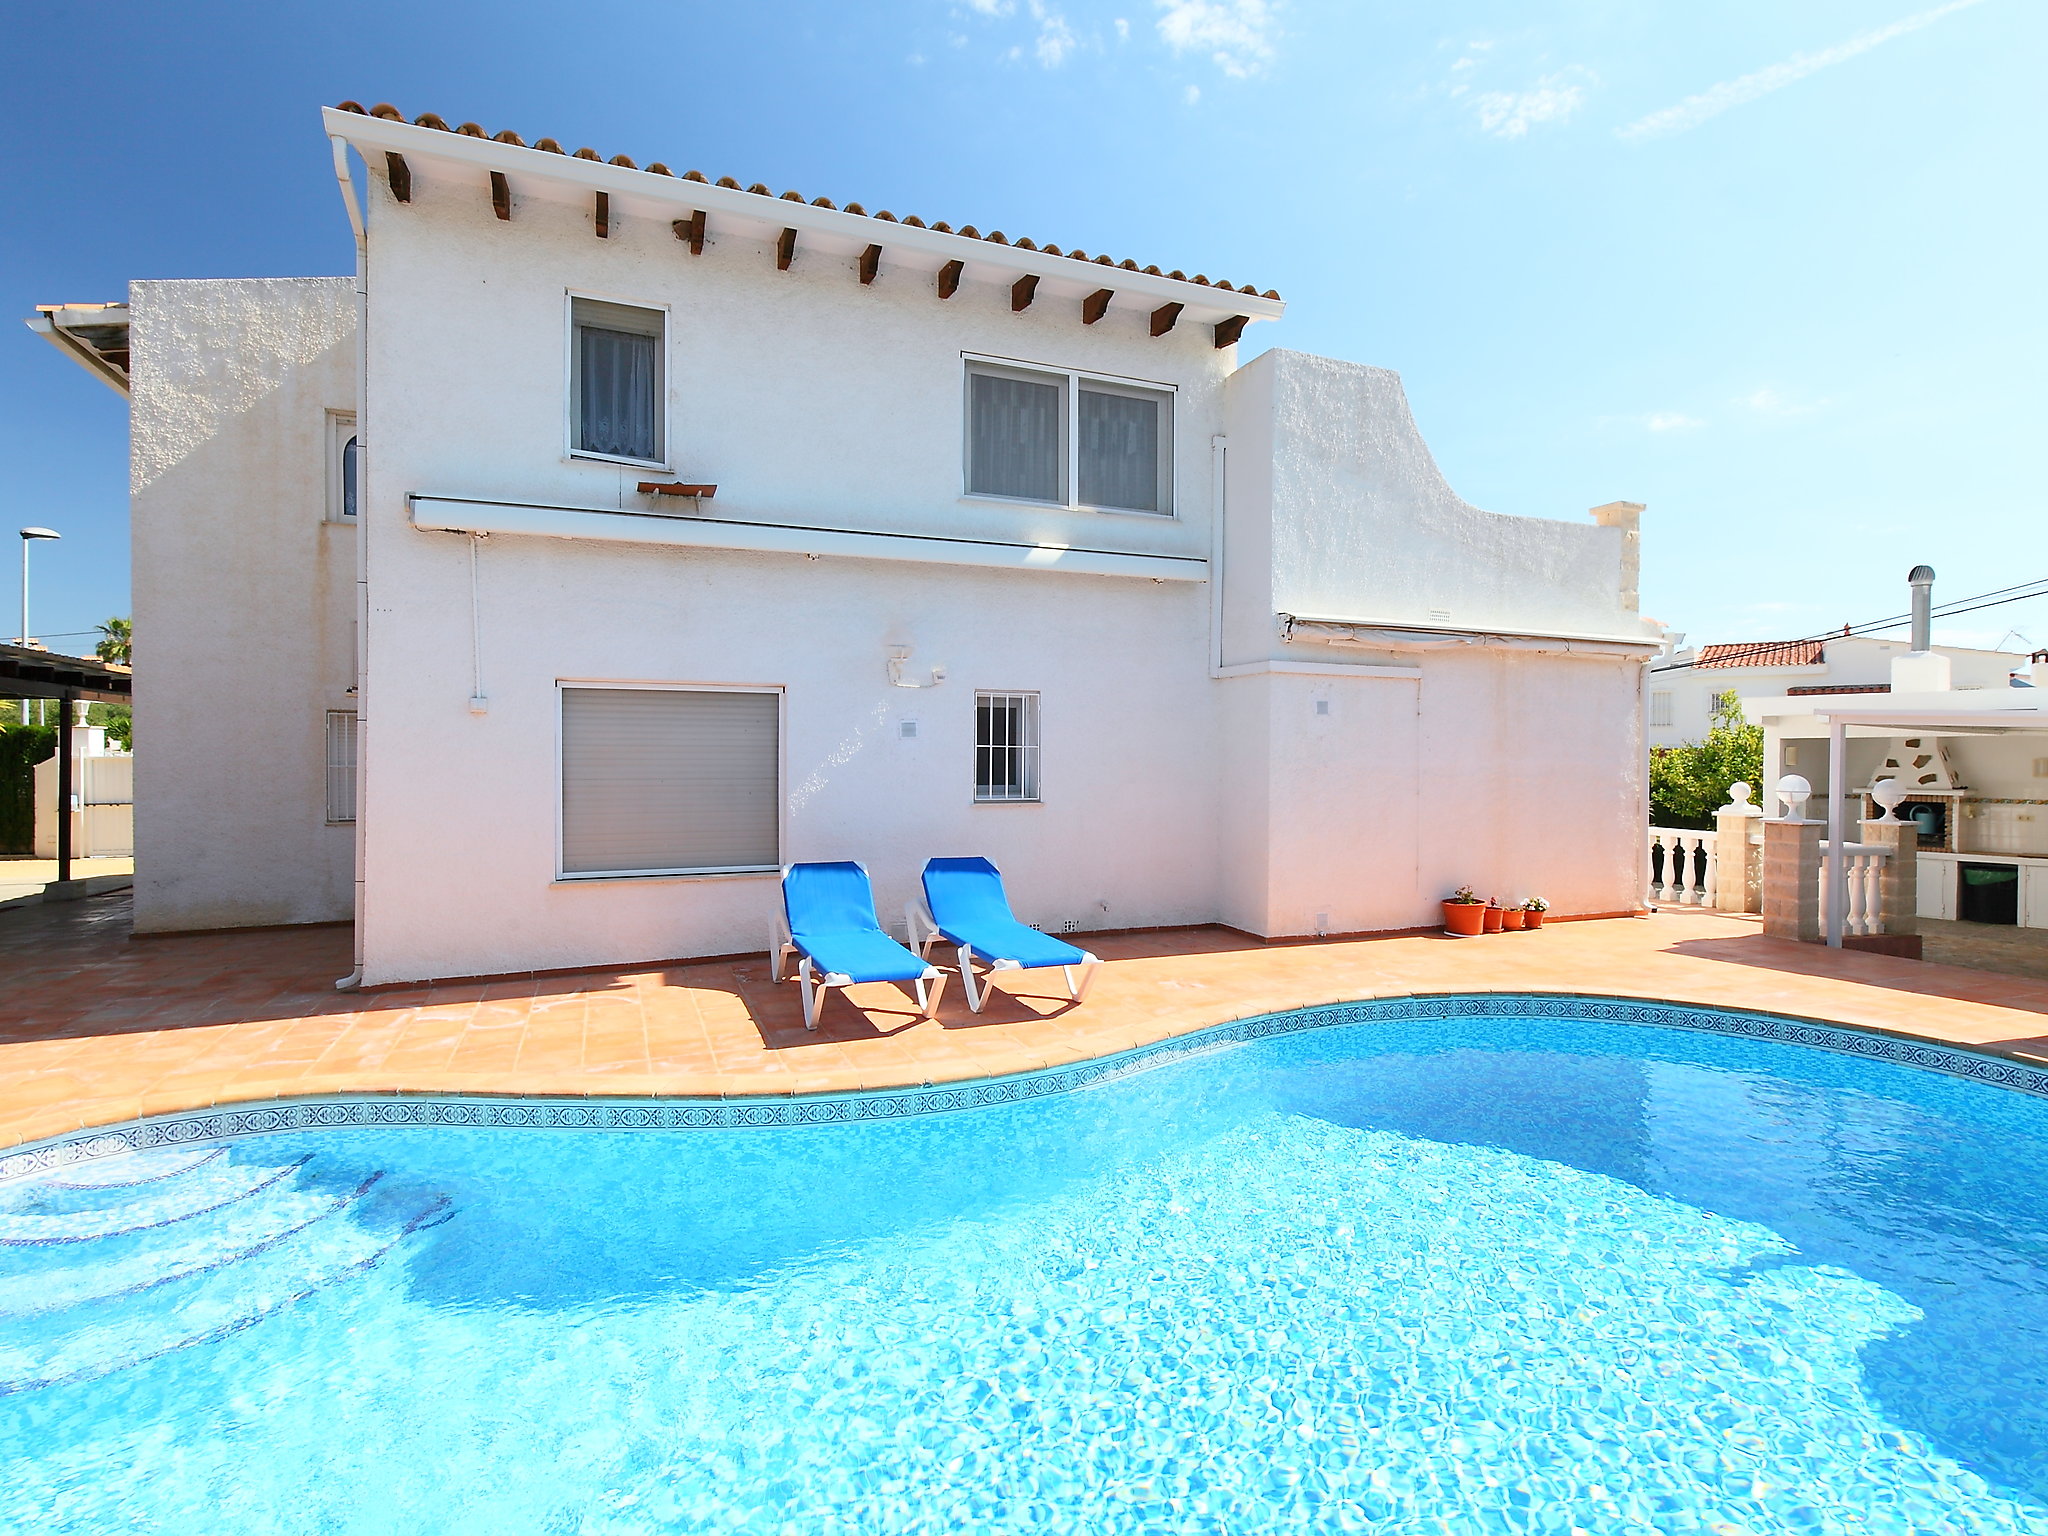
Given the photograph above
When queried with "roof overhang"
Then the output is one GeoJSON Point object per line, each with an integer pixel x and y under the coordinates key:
{"type": "Point", "coordinates": [95, 336]}
{"type": "Point", "coordinates": [535, 173]}
{"type": "Point", "coordinates": [29, 673]}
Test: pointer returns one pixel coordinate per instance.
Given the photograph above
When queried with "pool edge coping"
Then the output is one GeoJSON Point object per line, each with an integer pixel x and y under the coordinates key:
{"type": "Point", "coordinates": [400, 1107]}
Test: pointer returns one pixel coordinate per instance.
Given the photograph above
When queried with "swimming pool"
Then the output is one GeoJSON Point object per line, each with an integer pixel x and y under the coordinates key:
{"type": "Point", "coordinates": [1467, 1266]}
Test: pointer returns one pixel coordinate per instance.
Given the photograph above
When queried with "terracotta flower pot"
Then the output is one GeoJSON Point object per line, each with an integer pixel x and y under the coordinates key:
{"type": "Point", "coordinates": [1464, 918]}
{"type": "Point", "coordinates": [1511, 919]}
{"type": "Point", "coordinates": [1532, 919]}
{"type": "Point", "coordinates": [1493, 919]}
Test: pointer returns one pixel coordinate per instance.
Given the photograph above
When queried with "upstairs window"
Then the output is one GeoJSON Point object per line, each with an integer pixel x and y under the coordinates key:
{"type": "Point", "coordinates": [1660, 707]}
{"type": "Point", "coordinates": [1067, 439]}
{"type": "Point", "coordinates": [616, 384]}
{"type": "Point", "coordinates": [344, 467]}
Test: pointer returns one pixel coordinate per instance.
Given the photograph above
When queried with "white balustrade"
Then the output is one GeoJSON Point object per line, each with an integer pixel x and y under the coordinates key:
{"type": "Point", "coordinates": [1863, 867]}
{"type": "Point", "coordinates": [1681, 878]}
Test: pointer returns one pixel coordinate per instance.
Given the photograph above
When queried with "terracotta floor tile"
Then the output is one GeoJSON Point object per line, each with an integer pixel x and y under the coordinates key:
{"type": "Point", "coordinates": [100, 1029]}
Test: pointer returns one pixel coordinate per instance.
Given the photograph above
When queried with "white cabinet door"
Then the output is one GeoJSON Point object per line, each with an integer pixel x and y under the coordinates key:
{"type": "Point", "coordinates": [2034, 896]}
{"type": "Point", "coordinates": [1935, 889]}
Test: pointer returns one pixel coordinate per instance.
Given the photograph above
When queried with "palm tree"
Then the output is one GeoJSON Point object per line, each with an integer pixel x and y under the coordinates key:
{"type": "Point", "coordinates": [116, 642]}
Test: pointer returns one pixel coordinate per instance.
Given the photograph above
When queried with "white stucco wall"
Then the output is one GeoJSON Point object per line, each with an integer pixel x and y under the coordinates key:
{"type": "Point", "coordinates": [243, 599]}
{"type": "Point", "coordinates": [807, 398]}
{"type": "Point", "coordinates": [1514, 767]}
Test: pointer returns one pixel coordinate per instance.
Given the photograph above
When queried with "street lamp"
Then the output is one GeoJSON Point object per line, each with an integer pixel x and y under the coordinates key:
{"type": "Point", "coordinates": [28, 537]}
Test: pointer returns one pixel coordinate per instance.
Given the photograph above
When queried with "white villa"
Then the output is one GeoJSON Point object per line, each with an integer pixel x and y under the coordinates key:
{"type": "Point", "coordinates": [613, 537]}
{"type": "Point", "coordinates": [1685, 681]}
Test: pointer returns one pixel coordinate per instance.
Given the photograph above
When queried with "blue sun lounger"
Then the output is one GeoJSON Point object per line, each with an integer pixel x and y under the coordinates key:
{"type": "Point", "coordinates": [965, 905]}
{"type": "Point", "coordinates": [829, 924]}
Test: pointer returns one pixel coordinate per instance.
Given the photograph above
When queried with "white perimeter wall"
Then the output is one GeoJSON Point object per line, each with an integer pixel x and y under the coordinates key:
{"type": "Point", "coordinates": [243, 598]}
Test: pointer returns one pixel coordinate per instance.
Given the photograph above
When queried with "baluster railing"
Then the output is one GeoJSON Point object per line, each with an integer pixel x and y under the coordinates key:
{"type": "Point", "coordinates": [1685, 868]}
{"type": "Point", "coordinates": [1863, 866]}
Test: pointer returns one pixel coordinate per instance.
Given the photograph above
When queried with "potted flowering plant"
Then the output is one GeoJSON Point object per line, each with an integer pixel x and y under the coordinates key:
{"type": "Point", "coordinates": [1533, 910]}
{"type": "Point", "coordinates": [1494, 916]}
{"type": "Point", "coordinates": [1511, 916]}
{"type": "Point", "coordinates": [1464, 912]}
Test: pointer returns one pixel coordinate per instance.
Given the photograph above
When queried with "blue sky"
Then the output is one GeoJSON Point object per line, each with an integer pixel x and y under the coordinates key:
{"type": "Point", "coordinates": [1773, 270]}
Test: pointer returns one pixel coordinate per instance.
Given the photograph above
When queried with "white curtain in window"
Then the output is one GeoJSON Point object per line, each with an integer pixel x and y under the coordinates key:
{"type": "Point", "coordinates": [618, 384]}
{"type": "Point", "coordinates": [1014, 432]}
{"type": "Point", "coordinates": [668, 779]}
{"type": "Point", "coordinates": [1119, 451]}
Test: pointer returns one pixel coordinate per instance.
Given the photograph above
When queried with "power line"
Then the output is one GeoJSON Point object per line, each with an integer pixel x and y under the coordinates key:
{"type": "Point", "coordinates": [1995, 598]}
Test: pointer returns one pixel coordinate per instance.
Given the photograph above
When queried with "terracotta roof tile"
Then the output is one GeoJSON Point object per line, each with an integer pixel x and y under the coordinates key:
{"type": "Point", "coordinates": [385, 110]}
{"type": "Point", "coordinates": [1763, 653]}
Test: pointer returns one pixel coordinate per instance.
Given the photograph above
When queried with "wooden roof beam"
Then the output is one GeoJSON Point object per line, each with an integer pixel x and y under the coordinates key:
{"type": "Point", "coordinates": [501, 196]}
{"type": "Point", "coordinates": [1227, 331]}
{"type": "Point", "coordinates": [1164, 316]}
{"type": "Point", "coordinates": [870, 263]}
{"type": "Point", "coordinates": [949, 278]}
{"type": "Point", "coordinates": [1096, 305]}
{"type": "Point", "coordinates": [785, 250]}
{"type": "Point", "coordinates": [603, 216]}
{"type": "Point", "coordinates": [692, 231]}
{"type": "Point", "coordinates": [1022, 292]}
{"type": "Point", "coordinates": [399, 174]}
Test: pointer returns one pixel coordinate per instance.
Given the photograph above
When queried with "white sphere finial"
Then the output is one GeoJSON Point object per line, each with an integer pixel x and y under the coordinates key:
{"type": "Point", "coordinates": [1888, 793]}
{"type": "Point", "coordinates": [1793, 793]}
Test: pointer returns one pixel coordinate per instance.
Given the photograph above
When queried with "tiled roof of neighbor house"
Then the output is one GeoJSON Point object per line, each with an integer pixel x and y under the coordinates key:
{"type": "Point", "coordinates": [1840, 688]}
{"type": "Point", "coordinates": [996, 237]}
{"type": "Point", "coordinates": [1764, 653]}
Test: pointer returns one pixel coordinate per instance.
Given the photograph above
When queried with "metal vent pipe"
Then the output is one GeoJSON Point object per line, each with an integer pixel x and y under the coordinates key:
{"type": "Point", "coordinates": [1921, 579]}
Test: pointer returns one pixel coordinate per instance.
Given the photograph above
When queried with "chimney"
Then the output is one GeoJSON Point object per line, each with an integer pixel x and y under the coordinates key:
{"type": "Point", "coordinates": [1922, 669]}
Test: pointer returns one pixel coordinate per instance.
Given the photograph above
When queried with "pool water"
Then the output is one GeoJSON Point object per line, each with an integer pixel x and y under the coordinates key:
{"type": "Point", "coordinates": [1458, 1276]}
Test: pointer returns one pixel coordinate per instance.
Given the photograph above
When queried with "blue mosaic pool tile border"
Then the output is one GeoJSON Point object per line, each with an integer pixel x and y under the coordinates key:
{"type": "Point", "coordinates": [898, 1103]}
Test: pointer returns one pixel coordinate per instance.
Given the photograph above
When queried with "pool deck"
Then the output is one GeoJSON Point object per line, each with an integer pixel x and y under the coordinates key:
{"type": "Point", "coordinates": [97, 1028]}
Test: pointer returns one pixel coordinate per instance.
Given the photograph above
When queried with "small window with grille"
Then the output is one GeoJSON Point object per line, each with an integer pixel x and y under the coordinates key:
{"type": "Point", "coordinates": [1005, 746]}
{"type": "Point", "coordinates": [1660, 707]}
{"type": "Point", "coordinates": [341, 765]}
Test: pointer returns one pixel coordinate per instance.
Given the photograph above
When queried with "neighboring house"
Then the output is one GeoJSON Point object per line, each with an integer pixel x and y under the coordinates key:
{"type": "Point", "coordinates": [1685, 683]}
{"type": "Point", "coordinates": [102, 799]}
{"type": "Point", "coordinates": [695, 530]}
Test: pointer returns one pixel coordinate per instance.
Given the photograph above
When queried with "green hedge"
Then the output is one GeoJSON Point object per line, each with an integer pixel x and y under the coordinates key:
{"type": "Point", "coordinates": [21, 748]}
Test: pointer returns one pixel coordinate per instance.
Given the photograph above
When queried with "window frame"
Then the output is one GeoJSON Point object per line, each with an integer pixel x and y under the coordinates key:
{"type": "Point", "coordinates": [353, 767]}
{"type": "Point", "coordinates": [1665, 703]}
{"type": "Point", "coordinates": [747, 872]}
{"type": "Point", "coordinates": [341, 430]}
{"type": "Point", "coordinates": [1073, 380]}
{"type": "Point", "coordinates": [1033, 748]}
{"type": "Point", "coordinates": [572, 387]}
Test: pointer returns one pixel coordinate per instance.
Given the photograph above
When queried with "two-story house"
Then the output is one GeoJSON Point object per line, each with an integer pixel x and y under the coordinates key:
{"type": "Point", "coordinates": [615, 536]}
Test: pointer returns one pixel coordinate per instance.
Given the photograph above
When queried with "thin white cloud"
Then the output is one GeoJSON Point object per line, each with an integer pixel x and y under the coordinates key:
{"type": "Point", "coordinates": [1123, 30]}
{"type": "Point", "coordinates": [1192, 95]}
{"type": "Point", "coordinates": [1055, 40]}
{"type": "Point", "coordinates": [1672, 421]}
{"type": "Point", "coordinates": [1511, 114]}
{"type": "Point", "coordinates": [990, 7]}
{"type": "Point", "coordinates": [1238, 35]}
{"type": "Point", "coordinates": [1695, 110]}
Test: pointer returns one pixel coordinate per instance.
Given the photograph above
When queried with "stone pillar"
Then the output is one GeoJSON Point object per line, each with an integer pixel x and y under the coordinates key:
{"type": "Point", "coordinates": [1740, 864]}
{"type": "Point", "coordinates": [1628, 517]}
{"type": "Point", "coordinates": [1901, 887]}
{"type": "Point", "coordinates": [1792, 879]}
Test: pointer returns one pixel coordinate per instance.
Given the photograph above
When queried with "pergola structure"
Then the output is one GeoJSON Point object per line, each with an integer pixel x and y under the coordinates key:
{"type": "Point", "coordinates": [27, 672]}
{"type": "Point", "coordinates": [1998, 713]}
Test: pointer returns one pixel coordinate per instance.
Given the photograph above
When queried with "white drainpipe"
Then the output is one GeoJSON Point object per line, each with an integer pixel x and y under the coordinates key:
{"type": "Point", "coordinates": [349, 200]}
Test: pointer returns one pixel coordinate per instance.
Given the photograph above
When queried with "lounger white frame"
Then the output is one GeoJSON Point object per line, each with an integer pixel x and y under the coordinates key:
{"type": "Point", "coordinates": [813, 983]}
{"type": "Point", "coordinates": [916, 915]}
